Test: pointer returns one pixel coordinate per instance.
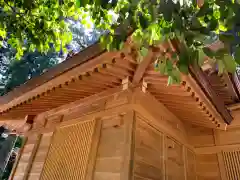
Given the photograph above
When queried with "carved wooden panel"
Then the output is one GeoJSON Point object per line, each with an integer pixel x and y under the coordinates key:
{"type": "Point", "coordinates": [69, 152]}
{"type": "Point", "coordinates": [148, 157]}
{"type": "Point", "coordinates": [232, 164]}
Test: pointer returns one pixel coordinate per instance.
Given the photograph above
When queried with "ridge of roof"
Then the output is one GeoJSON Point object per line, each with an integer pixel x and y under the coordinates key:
{"type": "Point", "coordinates": [70, 63]}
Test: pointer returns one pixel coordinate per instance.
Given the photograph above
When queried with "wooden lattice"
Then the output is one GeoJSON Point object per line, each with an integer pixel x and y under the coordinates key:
{"type": "Point", "coordinates": [69, 152]}
{"type": "Point", "coordinates": [232, 164]}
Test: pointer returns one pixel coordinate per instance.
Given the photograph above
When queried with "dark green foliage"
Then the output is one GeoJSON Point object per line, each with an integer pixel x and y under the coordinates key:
{"type": "Point", "coordinates": [31, 64]}
{"type": "Point", "coordinates": [155, 21]}
{"type": "Point", "coordinates": [30, 24]}
{"type": "Point", "coordinates": [16, 72]}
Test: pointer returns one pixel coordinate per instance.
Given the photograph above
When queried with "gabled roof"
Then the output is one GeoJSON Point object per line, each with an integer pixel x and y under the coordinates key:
{"type": "Point", "coordinates": [79, 58]}
{"type": "Point", "coordinates": [95, 70]}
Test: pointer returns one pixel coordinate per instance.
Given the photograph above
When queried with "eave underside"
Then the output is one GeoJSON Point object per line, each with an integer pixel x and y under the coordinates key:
{"type": "Point", "coordinates": [108, 71]}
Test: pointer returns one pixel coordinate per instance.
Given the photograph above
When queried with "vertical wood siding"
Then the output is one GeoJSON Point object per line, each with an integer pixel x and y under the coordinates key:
{"type": "Point", "coordinates": [148, 163]}
{"type": "Point", "coordinates": [38, 161]}
{"type": "Point", "coordinates": [190, 165]}
{"type": "Point", "coordinates": [174, 160]}
{"type": "Point", "coordinates": [26, 158]}
{"type": "Point", "coordinates": [109, 162]}
{"type": "Point", "coordinates": [232, 164]}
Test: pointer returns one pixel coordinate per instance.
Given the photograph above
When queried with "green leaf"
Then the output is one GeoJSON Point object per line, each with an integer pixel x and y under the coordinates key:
{"type": "Point", "coordinates": [226, 38]}
{"type": "Point", "coordinates": [144, 51]}
{"type": "Point", "coordinates": [219, 54]}
{"type": "Point", "coordinates": [201, 57]}
{"type": "Point", "coordinates": [237, 55]}
{"type": "Point", "coordinates": [208, 52]}
{"type": "Point", "coordinates": [162, 67]}
{"type": "Point", "coordinates": [183, 68]}
{"type": "Point", "coordinates": [203, 10]}
{"type": "Point", "coordinates": [82, 3]}
{"type": "Point", "coordinates": [176, 75]}
{"type": "Point", "coordinates": [222, 27]}
{"type": "Point", "coordinates": [70, 4]}
{"type": "Point", "coordinates": [169, 66]}
{"type": "Point", "coordinates": [229, 63]}
{"type": "Point", "coordinates": [170, 80]}
{"type": "Point", "coordinates": [221, 67]}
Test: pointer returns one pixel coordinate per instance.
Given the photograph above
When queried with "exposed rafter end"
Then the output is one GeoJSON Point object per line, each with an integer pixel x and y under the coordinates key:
{"type": "Point", "coordinates": [125, 83]}
{"type": "Point", "coordinates": [144, 86]}
{"type": "Point", "coordinates": [29, 120]}
{"type": "Point", "coordinates": [203, 82]}
{"type": "Point", "coordinates": [233, 107]}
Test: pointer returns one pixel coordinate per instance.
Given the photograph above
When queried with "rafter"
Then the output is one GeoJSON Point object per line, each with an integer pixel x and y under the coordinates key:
{"type": "Point", "coordinates": [138, 75]}
{"type": "Point", "coordinates": [200, 77]}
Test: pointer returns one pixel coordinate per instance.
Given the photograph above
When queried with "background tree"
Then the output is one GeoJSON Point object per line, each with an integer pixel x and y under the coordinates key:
{"type": "Point", "coordinates": [16, 72]}
{"type": "Point", "coordinates": [186, 24]}
{"type": "Point", "coordinates": [29, 25]}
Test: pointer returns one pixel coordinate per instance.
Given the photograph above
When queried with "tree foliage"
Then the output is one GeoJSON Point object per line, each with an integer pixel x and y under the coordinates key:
{"type": "Point", "coordinates": [184, 23]}
{"type": "Point", "coordinates": [14, 73]}
{"type": "Point", "coordinates": [36, 24]}
{"type": "Point", "coordinates": [40, 24]}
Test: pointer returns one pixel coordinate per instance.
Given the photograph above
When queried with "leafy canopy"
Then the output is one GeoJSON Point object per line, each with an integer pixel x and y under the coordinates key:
{"type": "Point", "coordinates": [39, 24]}
{"type": "Point", "coordinates": [185, 23]}
{"type": "Point", "coordinates": [14, 73]}
{"type": "Point", "coordinates": [36, 24]}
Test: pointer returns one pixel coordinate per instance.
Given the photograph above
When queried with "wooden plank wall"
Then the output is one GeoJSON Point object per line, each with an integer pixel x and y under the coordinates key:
{"type": "Point", "coordinates": [111, 161]}
{"type": "Point", "coordinates": [25, 160]}
{"type": "Point", "coordinates": [39, 159]}
{"type": "Point", "coordinates": [190, 164]}
{"type": "Point", "coordinates": [149, 149]}
{"type": "Point", "coordinates": [159, 156]}
{"type": "Point", "coordinates": [208, 167]}
{"type": "Point", "coordinates": [217, 152]}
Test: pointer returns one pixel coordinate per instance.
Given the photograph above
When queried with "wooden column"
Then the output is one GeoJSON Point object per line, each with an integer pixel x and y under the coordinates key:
{"type": "Point", "coordinates": [129, 134]}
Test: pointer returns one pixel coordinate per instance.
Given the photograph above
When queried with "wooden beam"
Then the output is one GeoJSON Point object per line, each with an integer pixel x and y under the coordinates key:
{"type": "Point", "coordinates": [203, 82]}
{"type": "Point", "coordinates": [216, 149]}
{"type": "Point", "coordinates": [65, 77]}
{"type": "Point", "coordinates": [138, 75]}
{"type": "Point", "coordinates": [233, 107]}
{"type": "Point", "coordinates": [230, 86]}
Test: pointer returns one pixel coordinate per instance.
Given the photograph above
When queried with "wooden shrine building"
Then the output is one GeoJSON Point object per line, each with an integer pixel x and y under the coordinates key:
{"type": "Point", "coordinates": [104, 116]}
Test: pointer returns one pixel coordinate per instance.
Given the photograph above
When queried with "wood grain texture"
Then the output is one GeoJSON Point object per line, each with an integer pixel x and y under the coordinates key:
{"type": "Point", "coordinates": [40, 157]}
{"type": "Point", "coordinates": [190, 165]}
{"type": "Point", "coordinates": [111, 149]}
{"type": "Point", "coordinates": [232, 164]}
{"type": "Point", "coordinates": [25, 161]}
{"type": "Point", "coordinates": [208, 167]}
{"type": "Point", "coordinates": [174, 160]}
{"type": "Point", "coordinates": [69, 152]}
{"type": "Point", "coordinates": [148, 157]}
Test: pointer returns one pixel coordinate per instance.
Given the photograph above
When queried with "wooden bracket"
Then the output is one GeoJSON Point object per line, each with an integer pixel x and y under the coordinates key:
{"type": "Point", "coordinates": [29, 120]}
{"type": "Point", "coordinates": [144, 86]}
{"type": "Point", "coordinates": [125, 83]}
